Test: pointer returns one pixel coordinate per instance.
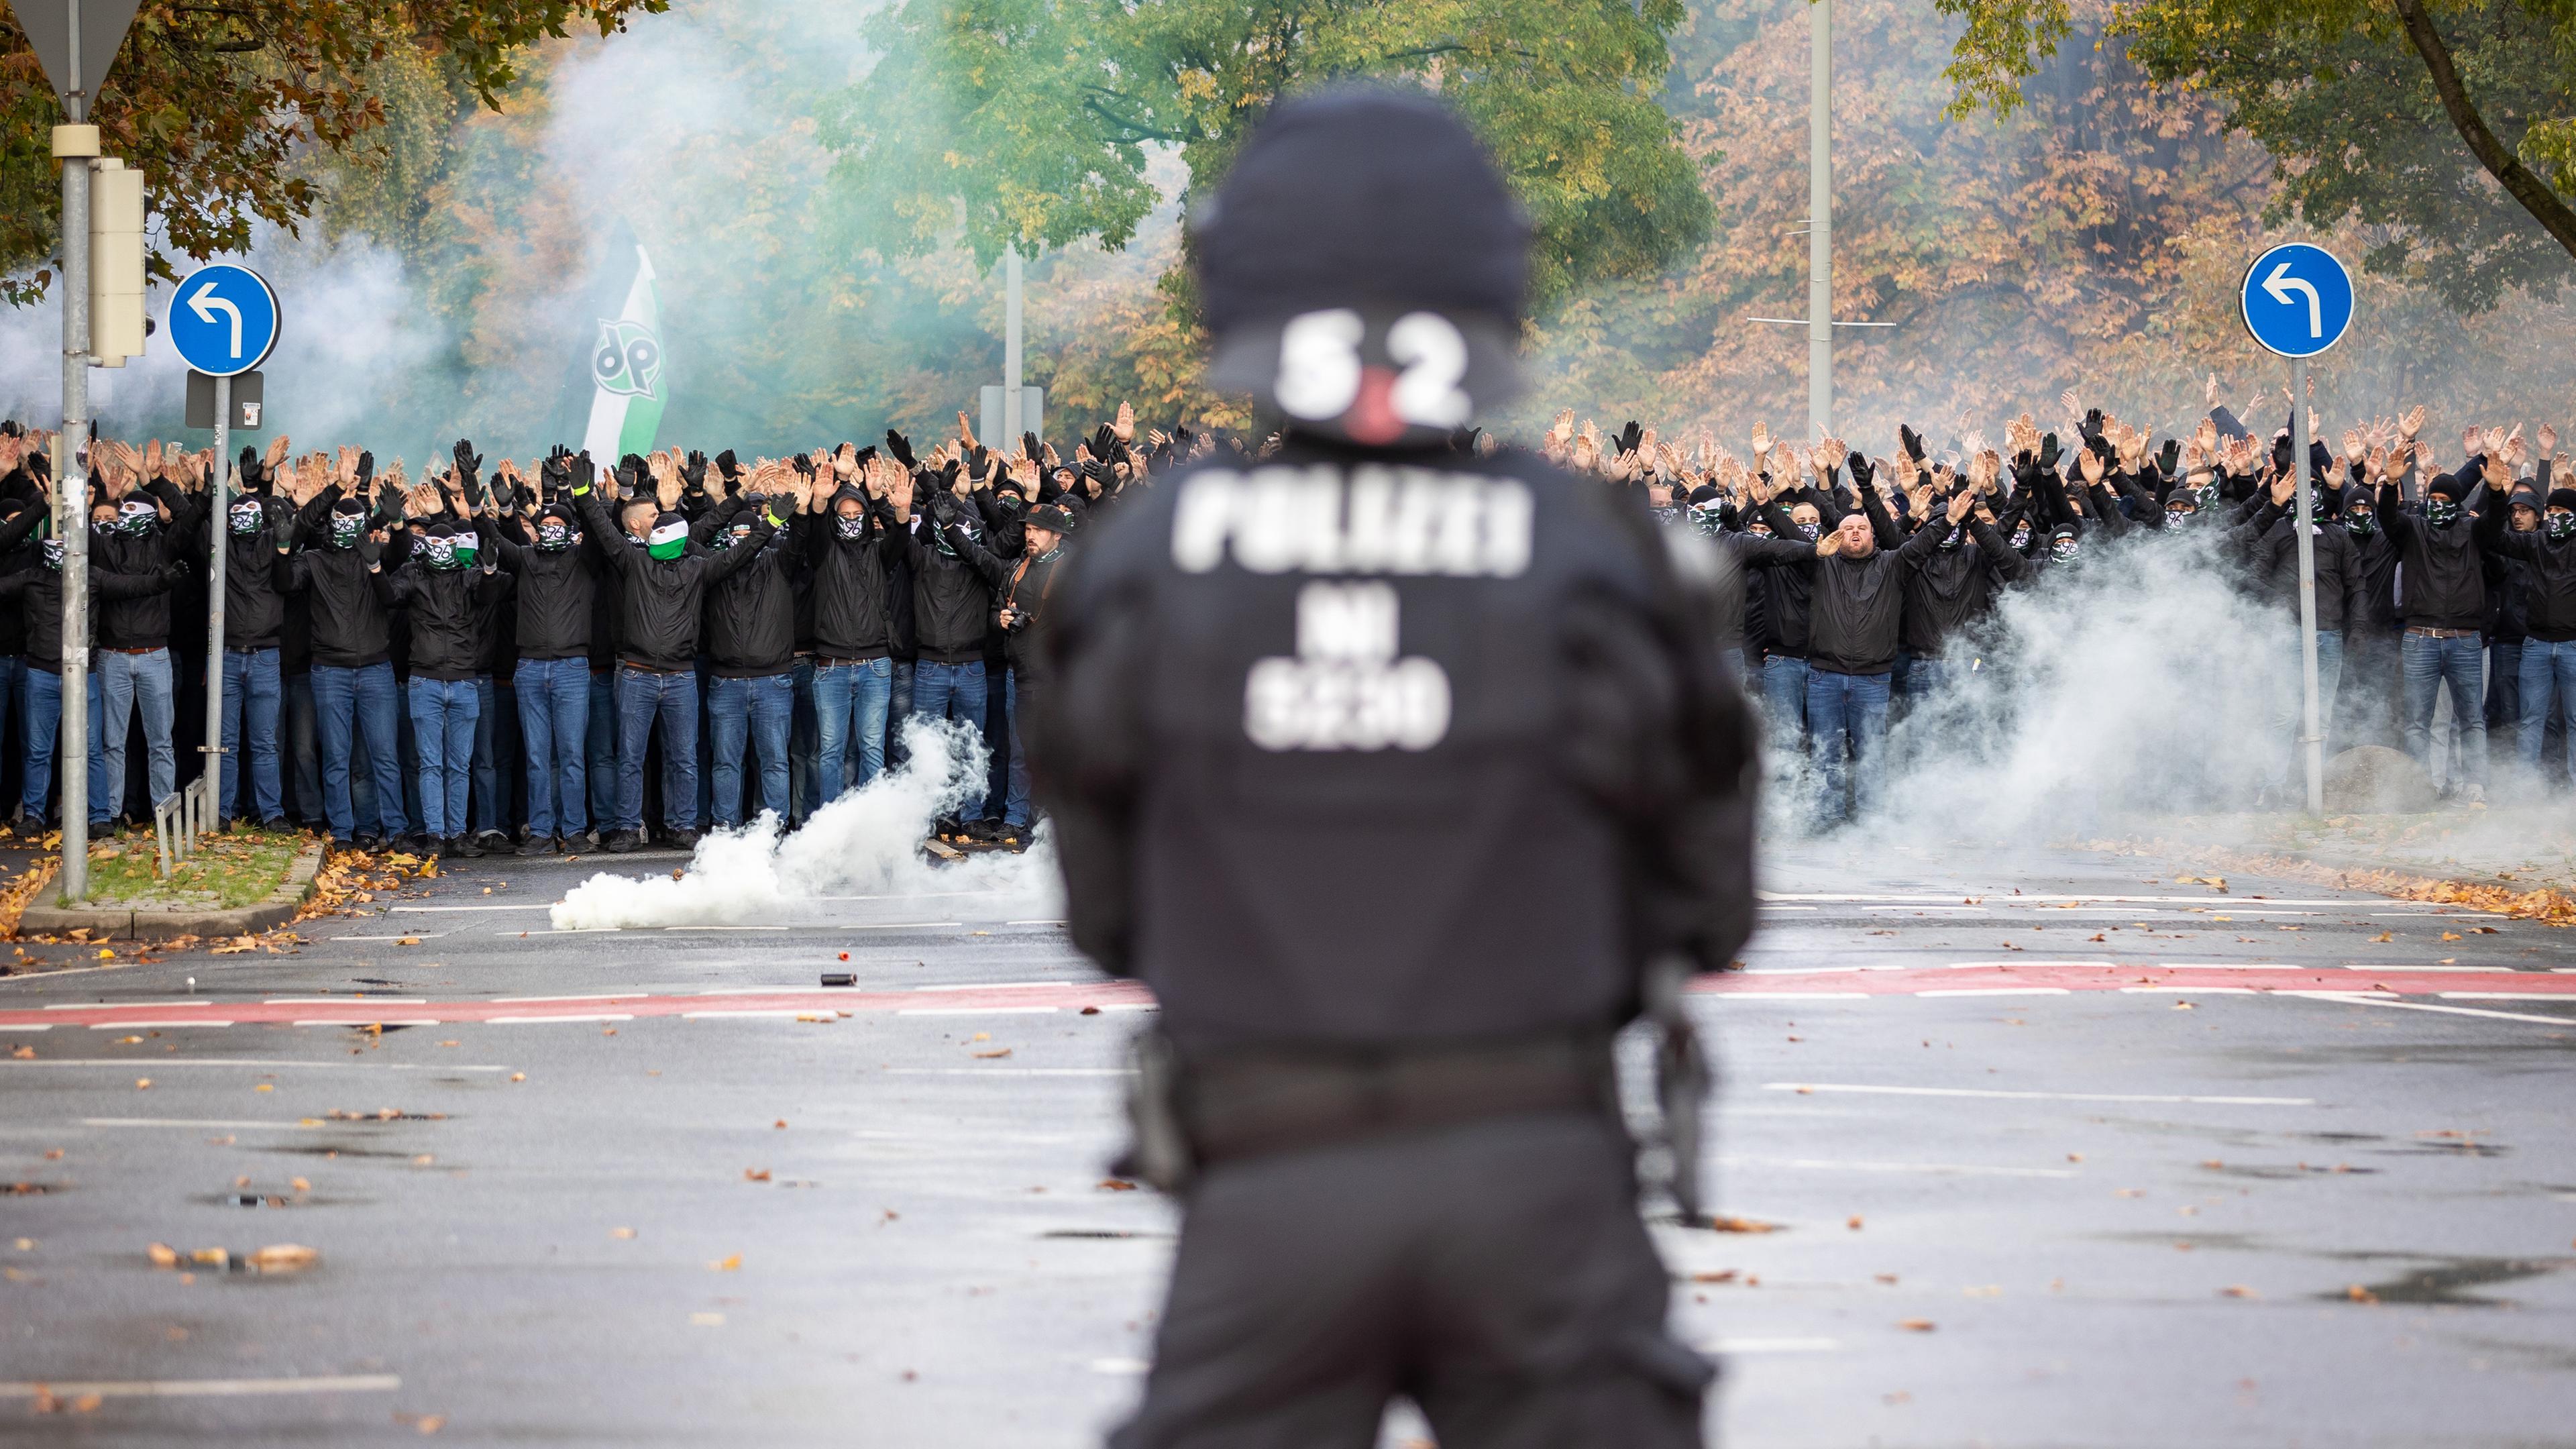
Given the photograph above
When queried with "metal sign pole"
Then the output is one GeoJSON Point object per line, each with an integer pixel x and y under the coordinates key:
{"type": "Point", "coordinates": [72, 488]}
{"type": "Point", "coordinates": [1820, 219]}
{"type": "Point", "coordinates": [1012, 423]}
{"type": "Point", "coordinates": [211, 783]}
{"type": "Point", "coordinates": [2311, 738]}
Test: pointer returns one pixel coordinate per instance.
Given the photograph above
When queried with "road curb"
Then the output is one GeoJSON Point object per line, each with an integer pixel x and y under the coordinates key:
{"type": "Point", "coordinates": [130, 923]}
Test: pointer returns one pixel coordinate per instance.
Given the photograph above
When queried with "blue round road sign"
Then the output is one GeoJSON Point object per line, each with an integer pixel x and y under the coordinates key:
{"type": "Point", "coordinates": [2296, 300]}
{"type": "Point", "coordinates": [223, 320]}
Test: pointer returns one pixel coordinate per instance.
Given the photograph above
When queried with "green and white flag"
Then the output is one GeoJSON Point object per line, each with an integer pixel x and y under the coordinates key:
{"type": "Point", "coordinates": [626, 371]}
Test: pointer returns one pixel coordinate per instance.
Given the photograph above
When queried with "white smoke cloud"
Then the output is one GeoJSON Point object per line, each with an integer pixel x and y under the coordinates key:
{"type": "Point", "coordinates": [2141, 682]}
{"type": "Point", "coordinates": [867, 842]}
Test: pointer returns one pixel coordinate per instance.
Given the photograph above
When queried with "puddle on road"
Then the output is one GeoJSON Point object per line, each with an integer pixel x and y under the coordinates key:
{"type": "Point", "coordinates": [2448, 1284]}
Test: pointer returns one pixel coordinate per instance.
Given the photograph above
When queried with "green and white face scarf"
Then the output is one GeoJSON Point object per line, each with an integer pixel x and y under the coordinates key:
{"type": "Point", "coordinates": [468, 545]}
{"type": "Point", "coordinates": [668, 540]}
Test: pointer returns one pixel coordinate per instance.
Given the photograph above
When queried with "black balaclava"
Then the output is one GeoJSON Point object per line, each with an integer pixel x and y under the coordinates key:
{"type": "Point", "coordinates": [2442, 501]}
{"type": "Point", "coordinates": [2064, 541]}
{"type": "Point", "coordinates": [2561, 525]}
{"type": "Point", "coordinates": [1364, 234]}
{"type": "Point", "coordinates": [557, 530]}
{"type": "Point", "coordinates": [348, 523]}
{"type": "Point", "coordinates": [854, 526]}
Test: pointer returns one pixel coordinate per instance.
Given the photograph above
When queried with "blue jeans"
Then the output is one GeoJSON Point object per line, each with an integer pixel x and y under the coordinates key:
{"type": "Point", "coordinates": [13, 689]}
{"type": "Point", "coordinates": [1784, 697]}
{"type": "Point", "coordinates": [599, 746]}
{"type": "Point", "coordinates": [955, 691]}
{"type": "Point", "coordinates": [2547, 669]}
{"type": "Point", "coordinates": [2431, 664]}
{"type": "Point", "coordinates": [443, 712]}
{"type": "Point", "coordinates": [44, 727]}
{"type": "Point", "coordinates": [495, 738]}
{"type": "Point", "coordinates": [1848, 710]}
{"type": "Point", "coordinates": [898, 709]}
{"type": "Point", "coordinates": [363, 698]}
{"type": "Point", "coordinates": [2290, 704]}
{"type": "Point", "coordinates": [851, 702]}
{"type": "Point", "coordinates": [802, 738]}
{"type": "Point", "coordinates": [642, 697]}
{"type": "Point", "coordinates": [554, 726]}
{"type": "Point", "coordinates": [1926, 678]}
{"type": "Point", "coordinates": [251, 693]}
{"type": "Point", "coordinates": [127, 682]}
{"type": "Point", "coordinates": [1015, 805]}
{"type": "Point", "coordinates": [303, 757]}
{"type": "Point", "coordinates": [755, 712]}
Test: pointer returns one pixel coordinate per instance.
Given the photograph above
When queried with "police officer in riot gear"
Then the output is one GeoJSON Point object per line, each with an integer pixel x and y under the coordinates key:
{"type": "Point", "coordinates": [1405, 778]}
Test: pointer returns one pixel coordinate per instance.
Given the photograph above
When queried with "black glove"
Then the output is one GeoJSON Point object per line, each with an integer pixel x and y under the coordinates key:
{"type": "Point", "coordinates": [2048, 450]}
{"type": "Point", "coordinates": [366, 469]}
{"type": "Point", "coordinates": [554, 475]}
{"type": "Point", "coordinates": [693, 472]}
{"type": "Point", "coordinates": [1030, 447]}
{"type": "Point", "coordinates": [250, 474]}
{"type": "Point", "coordinates": [2169, 457]}
{"type": "Point", "coordinates": [2092, 423]}
{"type": "Point", "coordinates": [899, 448]}
{"type": "Point", "coordinates": [370, 551]}
{"type": "Point", "coordinates": [582, 472]}
{"type": "Point", "coordinates": [1630, 436]}
{"type": "Point", "coordinates": [2281, 454]}
{"type": "Point", "coordinates": [468, 462]}
{"type": "Point", "coordinates": [1911, 441]}
{"type": "Point", "coordinates": [1861, 470]}
{"type": "Point", "coordinates": [472, 487]}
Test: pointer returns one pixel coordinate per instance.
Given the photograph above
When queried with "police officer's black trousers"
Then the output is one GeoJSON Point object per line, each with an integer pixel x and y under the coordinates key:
{"type": "Point", "coordinates": [1496, 1273]}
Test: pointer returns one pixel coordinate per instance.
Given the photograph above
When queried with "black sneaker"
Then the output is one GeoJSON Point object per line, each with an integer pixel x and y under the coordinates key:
{"type": "Point", "coordinates": [622, 841]}
{"type": "Point", "coordinates": [276, 824]}
{"type": "Point", "coordinates": [947, 828]}
{"type": "Point", "coordinates": [683, 839]}
{"type": "Point", "coordinates": [538, 845]}
{"type": "Point", "coordinates": [984, 832]}
{"type": "Point", "coordinates": [493, 842]}
{"type": "Point", "coordinates": [366, 840]}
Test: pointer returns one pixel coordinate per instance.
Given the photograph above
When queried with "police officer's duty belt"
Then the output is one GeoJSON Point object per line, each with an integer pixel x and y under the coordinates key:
{"type": "Point", "coordinates": [1247, 1104]}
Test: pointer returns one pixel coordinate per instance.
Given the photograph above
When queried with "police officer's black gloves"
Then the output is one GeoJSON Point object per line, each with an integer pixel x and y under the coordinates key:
{"type": "Point", "coordinates": [899, 448]}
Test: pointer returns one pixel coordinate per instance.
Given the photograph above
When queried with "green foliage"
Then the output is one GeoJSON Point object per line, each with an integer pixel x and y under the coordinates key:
{"type": "Point", "coordinates": [217, 103]}
{"type": "Point", "coordinates": [2344, 103]}
{"type": "Point", "coordinates": [1031, 123]}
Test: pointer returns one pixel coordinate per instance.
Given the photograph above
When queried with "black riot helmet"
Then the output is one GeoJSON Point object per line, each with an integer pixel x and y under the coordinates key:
{"type": "Point", "coordinates": [1363, 268]}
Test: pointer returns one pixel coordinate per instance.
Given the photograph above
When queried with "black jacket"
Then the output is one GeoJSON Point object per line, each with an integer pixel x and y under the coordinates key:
{"type": "Point", "coordinates": [2341, 587]}
{"type": "Point", "coordinates": [351, 605]}
{"type": "Point", "coordinates": [1859, 602]}
{"type": "Point", "coordinates": [447, 608]}
{"type": "Point", "coordinates": [2549, 601]}
{"type": "Point", "coordinates": [952, 587]}
{"type": "Point", "coordinates": [1025, 591]}
{"type": "Point", "coordinates": [37, 594]}
{"type": "Point", "coordinates": [660, 601]}
{"type": "Point", "coordinates": [142, 621]}
{"type": "Point", "coordinates": [1569, 799]}
{"type": "Point", "coordinates": [855, 584]}
{"type": "Point", "coordinates": [556, 594]}
{"type": "Point", "coordinates": [2441, 579]}
{"type": "Point", "coordinates": [751, 616]}
{"type": "Point", "coordinates": [1949, 587]}
{"type": "Point", "coordinates": [254, 570]}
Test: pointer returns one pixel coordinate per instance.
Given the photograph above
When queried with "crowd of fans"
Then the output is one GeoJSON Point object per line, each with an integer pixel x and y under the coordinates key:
{"type": "Point", "coordinates": [569, 655]}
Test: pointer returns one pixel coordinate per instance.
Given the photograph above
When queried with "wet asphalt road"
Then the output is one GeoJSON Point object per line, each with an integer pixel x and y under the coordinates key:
{"type": "Point", "coordinates": [2124, 1201]}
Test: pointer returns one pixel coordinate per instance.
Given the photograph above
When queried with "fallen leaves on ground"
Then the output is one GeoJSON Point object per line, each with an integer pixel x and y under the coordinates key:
{"type": "Point", "coordinates": [285, 1258]}
{"type": "Point", "coordinates": [755, 1174]}
{"type": "Point", "coordinates": [731, 1264]}
{"type": "Point", "coordinates": [1915, 1325]}
{"type": "Point", "coordinates": [162, 1255]}
{"type": "Point", "coordinates": [1726, 1224]}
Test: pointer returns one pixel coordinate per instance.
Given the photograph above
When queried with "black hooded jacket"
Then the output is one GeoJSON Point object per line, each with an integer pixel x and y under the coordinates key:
{"type": "Point", "coordinates": [557, 592]}
{"type": "Point", "coordinates": [2341, 585]}
{"type": "Point", "coordinates": [2441, 583]}
{"type": "Point", "coordinates": [2549, 598]}
{"type": "Point", "coordinates": [254, 570]}
{"type": "Point", "coordinates": [1949, 587]}
{"type": "Point", "coordinates": [142, 621]}
{"type": "Point", "coordinates": [952, 587]}
{"type": "Point", "coordinates": [660, 602]}
{"type": "Point", "coordinates": [751, 615]}
{"type": "Point", "coordinates": [855, 582]}
{"type": "Point", "coordinates": [447, 609]}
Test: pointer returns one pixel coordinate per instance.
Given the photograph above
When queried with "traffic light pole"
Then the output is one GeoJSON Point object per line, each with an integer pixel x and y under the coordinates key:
{"type": "Point", "coordinates": [75, 145]}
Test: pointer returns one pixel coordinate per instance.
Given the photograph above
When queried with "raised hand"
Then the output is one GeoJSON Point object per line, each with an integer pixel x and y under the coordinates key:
{"type": "Point", "coordinates": [1123, 427]}
{"type": "Point", "coordinates": [2089, 463]}
{"type": "Point", "coordinates": [276, 454]}
{"type": "Point", "coordinates": [2548, 440]}
{"type": "Point", "coordinates": [1761, 440]}
{"type": "Point", "coordinates": [2209, 393]}
{"type": "Point", "coordinates": [2412, 423]}
{"type": "Point", "coordinates": [1960, 503]}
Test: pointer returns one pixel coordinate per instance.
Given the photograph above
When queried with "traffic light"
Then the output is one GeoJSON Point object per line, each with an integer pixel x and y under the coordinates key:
{"type": "Point", "coordinates": [116, 322]}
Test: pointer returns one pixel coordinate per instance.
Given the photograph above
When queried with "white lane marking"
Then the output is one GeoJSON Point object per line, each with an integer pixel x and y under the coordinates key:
{"type": "Point", "coordinates": [1057, 922]}
{"type": "Point", "coordinates": [2384, 966]}
{"type": "Point", "coordinates": [1936, 1169]}
{"type": "Point", "coordinates": [154, 1025]}
{"type": "Point", "coordinates": [714, 991]}
{"type": "Point", "coordinates": [1933, 910]}
{"type": "Point", "coordinates": [1817, 970]}
{"type": "Point", "coordinates": [2435, 914]}
{"type": "Point", "coordinates": [378, 1021]}
{"type": "Point", "coordinates": [2227, 966]}
{"type": "Point", "coordinates": [586, 996]}
{"type": "Point", "coordinates": [2018, 965]}
{"type": "Point", "coordinates": [998, 986]}
{"type": "Point", "coordinates": [2000, 991]}
{"type": "Point", "coordinates": [772, 1013]}
{"type": "Point", "coordinates": [724, 928]}
{"type": "Point", "coordinates": [1770, 906]}
{"type": "Point", "coordinates": [1007, 1071]}
{"type": "Point", "coordinates": [893, 925]}
{"type": "Point", "coordinates": [129, 1005]}
{"type": "Point", "coordinates": [2037, 1096]}
{"type": "Point", "coordinates": [31, 976]}
{"type": "Point", "coordinates": [395, 936]}
{"type": "Point", "coordinates": [1991, 898]}
{"type": "Point", "coordinates": [2355, 998]}
{"type": "Point", "coordinates": [1120, 1367]}
{"type": "Point", "coordinates": [158, 1063]}
{"type": "Point", "coordinates": [564, 931]}
{"type": "Point", "coordinates": [1792, 995]}
{"type": "Point", "coordinates": [919, 896]}
{"type": "Point", "coordinates": [1128, 1006]}
{"type": "Point", "coordinates": [2506, 996]}
{"type": "Point", "coordinates": [345, 1001]}
{"type": "Point", "coordinates": [202, 1388]}
{"type": "Point", "coordinates": [14, 1030]}
{"type": "Point", "coordinates": [1771, 1345]}
{"type": "Point", "coordinates": [976, 1011]}
{"type": "Point", "coordinates": [432, 910]}
{"type": "Point", "coordinates": [2190, 991]}
{"type": "Point", "coordinates": [540, 1020]}
{"type": "Point", "coordinates": [206, 1122]}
